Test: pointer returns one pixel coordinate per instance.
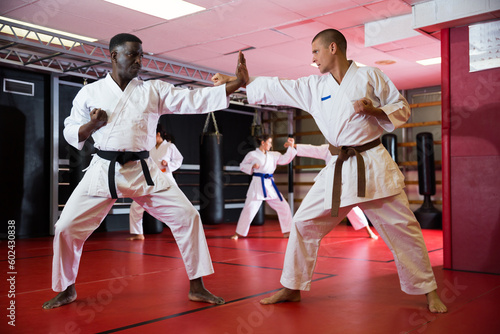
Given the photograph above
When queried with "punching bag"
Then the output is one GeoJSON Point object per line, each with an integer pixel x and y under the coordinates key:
{"type": "Point", "coordinates": [260, 217]}
{"type": "Point", "coordinates": [150, 224]}
{"type": "Point", "coordinates": [211, 175]}
{"type": "Point", "coordinates": [390, 142]}
{"type": "Point", "coordinates": [427, 215]}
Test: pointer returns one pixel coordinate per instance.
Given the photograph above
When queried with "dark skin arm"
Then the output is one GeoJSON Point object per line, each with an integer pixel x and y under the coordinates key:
{"type": "Point", "coordinates": [241, 76]}
{"type": "Point", "coordinates": [98, 119]}
{"type": "Point", "coordinates": [365, 106]}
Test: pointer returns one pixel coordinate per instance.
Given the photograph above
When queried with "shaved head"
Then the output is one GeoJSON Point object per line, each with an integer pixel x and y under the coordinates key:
{"type": "Point", "coordinates": [329, 36]}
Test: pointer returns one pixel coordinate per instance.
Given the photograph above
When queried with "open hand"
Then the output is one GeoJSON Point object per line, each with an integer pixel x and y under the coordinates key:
{"type": "Point", "coordinates": [241, 70]}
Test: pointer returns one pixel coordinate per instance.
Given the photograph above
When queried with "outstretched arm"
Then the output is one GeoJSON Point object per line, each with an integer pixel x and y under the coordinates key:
{"type": "Point", "coordinates": [220, 79]}
{"type": "Point", "coordinates": [241, 76]}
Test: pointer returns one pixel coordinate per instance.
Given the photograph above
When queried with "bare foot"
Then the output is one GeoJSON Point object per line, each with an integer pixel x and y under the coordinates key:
{"type": "Point", "coordinates": [286, 235]}
{"type": "Point", "coordinates": [198, 293]}
{"type": "Point", "coordinates": [284, 295]}
{"type": "Point", "coordinates": [62, 298]}
{"type": "Point", "coordinates": [435, 303]}
{"type": "Point", "coordinates": [235, 236]}
{"type": "Point", "coordinates": [371, 234]}
{"type": "Point", "coordinates": [136, 237]}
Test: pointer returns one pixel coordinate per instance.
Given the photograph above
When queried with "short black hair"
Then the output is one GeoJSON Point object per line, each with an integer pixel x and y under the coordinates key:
{"type": "Point", "coordinates": [121, 39]}
{"type": "Point", "coordinates": [330, 36]}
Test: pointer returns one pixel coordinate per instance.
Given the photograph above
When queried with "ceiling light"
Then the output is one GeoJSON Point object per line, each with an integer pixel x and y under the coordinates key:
{"type": "Point", "coordinates": [168, 10]}
{"type": "Point", "coordinates": [23, 33]}
{"type": "Point", "coordinates": [358, 64]}
{"type": "Point", "coordinates": [430, 61]}
{"type": "Point", "coordinates": [385, 62]}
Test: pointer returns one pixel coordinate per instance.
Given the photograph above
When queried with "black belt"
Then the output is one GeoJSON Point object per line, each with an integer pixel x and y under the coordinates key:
{"type": "Point", "coordinates": [122, 158]}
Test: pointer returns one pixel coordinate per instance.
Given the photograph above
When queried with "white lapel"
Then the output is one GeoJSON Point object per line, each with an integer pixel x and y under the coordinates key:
{"type": "Point", "coordinates": [120, 106]}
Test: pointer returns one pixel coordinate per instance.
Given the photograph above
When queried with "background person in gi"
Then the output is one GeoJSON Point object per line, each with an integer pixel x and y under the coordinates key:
{"type": "Point", "coordinates": [261, 163]}
{"type": "Point", "coordinates": [169, 159]}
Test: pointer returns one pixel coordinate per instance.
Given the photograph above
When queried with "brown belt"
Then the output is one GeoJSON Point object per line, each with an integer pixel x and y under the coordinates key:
{"type": "Point", "coordinates": [344, 153]}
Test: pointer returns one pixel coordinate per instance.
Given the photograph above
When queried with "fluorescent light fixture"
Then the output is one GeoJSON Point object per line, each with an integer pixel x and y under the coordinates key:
{"type": "Point", "coordinates": [358, 64]}
{"type": "Point", "coordinates": [430, 61]}
{"type": "Point", "coordinates": [165, 9]}
{"type": "Point", "coordinates": [43, 37]}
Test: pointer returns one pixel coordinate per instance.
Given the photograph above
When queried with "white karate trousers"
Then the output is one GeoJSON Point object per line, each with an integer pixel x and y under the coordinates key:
{"type": "Point", "coordinates": [252, 207]}
{"type": "Point", "coordinates": [135, 218]}
{"type": "Point", "coordinates": [82, 214]}
{"type": "Point", "coordinates": [356, 218]}
{"type": "Point", "coordinates": [391, 217]}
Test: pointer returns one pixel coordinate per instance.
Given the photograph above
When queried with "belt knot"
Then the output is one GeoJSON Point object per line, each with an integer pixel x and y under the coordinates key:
{"type": "Point", "coordinates": [343, 153]}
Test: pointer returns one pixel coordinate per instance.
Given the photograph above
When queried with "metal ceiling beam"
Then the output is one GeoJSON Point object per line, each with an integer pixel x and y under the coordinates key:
{"type": "Point", "coordinates": [93, 57]}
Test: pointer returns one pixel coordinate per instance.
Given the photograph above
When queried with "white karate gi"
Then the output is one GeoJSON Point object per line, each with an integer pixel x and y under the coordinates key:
{"type": "Point", "coordinates": [385, 204]}
{"type": "Point", "coordinates": [132, 119]}
{"type": "Point", "coordinates": [255, 195]}
{"type": "Point", "coordinates": [166, 151]}
{"type": "Point", "coordinates": [356, 216]}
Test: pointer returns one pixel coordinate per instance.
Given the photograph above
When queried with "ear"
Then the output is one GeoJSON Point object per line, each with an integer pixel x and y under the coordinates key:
{"type": "Point", "coordinates": [113, 55]}
{"type": "Point", "coordinates": [332, 47]}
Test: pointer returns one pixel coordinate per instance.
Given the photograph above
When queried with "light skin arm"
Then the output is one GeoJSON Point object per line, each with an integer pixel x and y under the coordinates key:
{"type": "Point", "coordinates": [98, 119]}
{"type": "Point", "coordinates": [365, 106]}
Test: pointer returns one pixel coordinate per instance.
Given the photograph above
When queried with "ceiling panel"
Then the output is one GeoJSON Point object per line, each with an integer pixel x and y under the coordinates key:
{"type": "Point", "coordinates": [348, 18]}
{"type": "Point", "coordinates": [280, 31]}
{"type": "Point", "coordinates": [303, 29]}
{"type": "Point", "coordinates": [264, 38]}
{"type": "Point", "coordinates": [314, 8]}
{"type": "Point", "coordinates": [388, 8]}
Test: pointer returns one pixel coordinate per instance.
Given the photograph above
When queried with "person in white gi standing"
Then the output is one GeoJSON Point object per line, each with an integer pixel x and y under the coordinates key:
{"type": "Point", "coordinates": [121, 113]}
{"type": "Point", "coordinates": [169, 159]}
{"type": "Point", "coordinates": [351, 106]}
{"type": "Point", "coordinates": [261, 164]}
{"type": "Point", "coordinates": [356, 216]}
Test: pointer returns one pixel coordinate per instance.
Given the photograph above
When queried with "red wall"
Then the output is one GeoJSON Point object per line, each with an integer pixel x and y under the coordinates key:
{"type": "Point", "coordinates": [471, 159]}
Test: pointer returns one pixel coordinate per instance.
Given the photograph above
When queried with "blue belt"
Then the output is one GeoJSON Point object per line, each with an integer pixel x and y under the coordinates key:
{"type": "Point", "coordinates": [268, 176]}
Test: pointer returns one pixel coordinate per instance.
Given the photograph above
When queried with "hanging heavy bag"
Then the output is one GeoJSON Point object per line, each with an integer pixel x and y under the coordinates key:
{"type": "Point", "coordinates": [211, 175]}
{"type": "Point", "coordinates": [390, 142]}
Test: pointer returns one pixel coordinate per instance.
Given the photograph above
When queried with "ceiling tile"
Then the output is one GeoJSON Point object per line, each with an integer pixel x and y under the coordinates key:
{"type": "Point", "coordinates": [189, 54]}
{"type": "Point", "coordinates": [280, 30]}
{"type": "Point", "coordinates": [389, 8]}
{"type": "Point", "coordinates": [304, 29]}
{"type": "Point", "coordinates": [315, 8]}
{"type": "Point", "coordinates": [263, 38]}
{"type": "Point", "coordinates": [348, 18]}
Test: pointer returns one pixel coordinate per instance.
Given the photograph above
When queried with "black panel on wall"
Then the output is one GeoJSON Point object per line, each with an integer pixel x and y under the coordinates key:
{"type": "Point", "coordinates": [25, 142]}
{"type": "Point", "coordinates": [236, 129]}
{"type": "Point", "coordinates": [187, 129]}
{"type": "Point", "coordinates": [78, 159]}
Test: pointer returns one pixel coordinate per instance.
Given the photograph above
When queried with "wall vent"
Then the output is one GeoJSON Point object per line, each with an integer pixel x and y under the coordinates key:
{"type": "Point", "coordinates": [18, 87]}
